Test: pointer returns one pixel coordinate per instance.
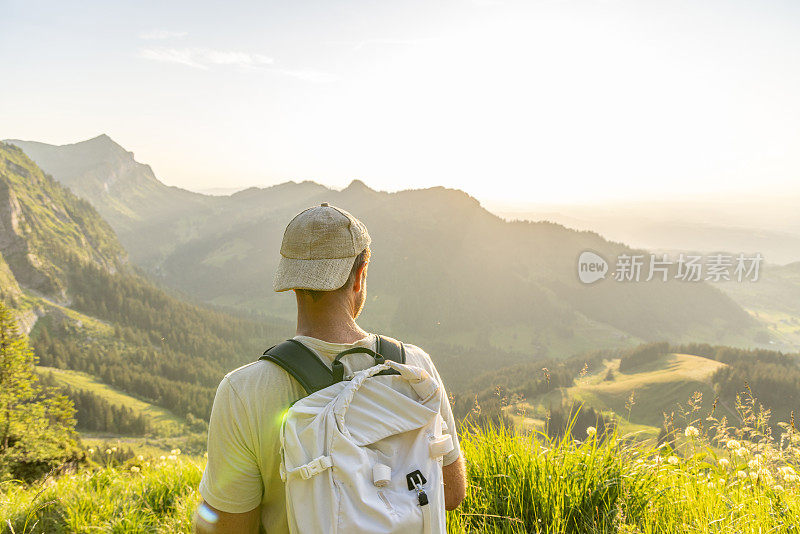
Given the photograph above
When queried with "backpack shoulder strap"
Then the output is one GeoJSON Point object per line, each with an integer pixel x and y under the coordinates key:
{"type": "Point", "coordinates": [391, 349]}
{"type": "Point", "coordinates": [300, 362]}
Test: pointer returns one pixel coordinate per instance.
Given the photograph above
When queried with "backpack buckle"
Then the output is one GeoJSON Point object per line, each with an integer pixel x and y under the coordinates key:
{"type": "Point", "coordinates": [315, 467]}
{"type": "Point", "coordinates": [415, 480]}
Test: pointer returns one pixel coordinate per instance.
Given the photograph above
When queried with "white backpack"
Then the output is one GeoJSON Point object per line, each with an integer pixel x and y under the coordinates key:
{"type": "Point", "coordinates": [365, 454]}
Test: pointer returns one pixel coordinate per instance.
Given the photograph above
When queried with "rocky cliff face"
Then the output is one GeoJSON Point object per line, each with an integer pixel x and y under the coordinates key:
{"type": "Point", "coordinates": [27, 268]}
{"type": "Point", "coordinates": [44, 229]}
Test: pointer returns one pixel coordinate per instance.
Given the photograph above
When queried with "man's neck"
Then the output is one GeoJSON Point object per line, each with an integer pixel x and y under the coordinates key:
{"type": "Point", "coordinates": [331, 327]}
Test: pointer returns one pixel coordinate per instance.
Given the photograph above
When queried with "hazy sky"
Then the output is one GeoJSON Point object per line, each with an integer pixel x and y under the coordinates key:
{"type": "Point", "coordinates": [549, 101]}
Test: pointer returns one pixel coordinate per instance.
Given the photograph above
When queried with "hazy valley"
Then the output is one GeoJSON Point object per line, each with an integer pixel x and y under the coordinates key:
{"type": "Point", "coordinates": [138, 297]}
{"type": "Point", "coordinates": [477, 291]}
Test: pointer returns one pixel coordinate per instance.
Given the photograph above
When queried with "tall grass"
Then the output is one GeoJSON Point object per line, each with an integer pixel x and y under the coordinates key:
{"type": "Point", "coordinates": [531, 484]}
{"type": "Point", "coordinates": [737, 481]}
{"type": "Point", "coordinates": [157, 496]}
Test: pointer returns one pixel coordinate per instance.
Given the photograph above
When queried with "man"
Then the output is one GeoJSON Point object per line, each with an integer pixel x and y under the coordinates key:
{"type": "Point", "coordinates": [324, 258]}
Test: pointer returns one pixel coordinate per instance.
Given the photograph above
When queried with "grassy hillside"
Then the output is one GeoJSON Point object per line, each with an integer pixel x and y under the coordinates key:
{"type": "Point", "coordinates": [517, 484]}
{"type": "Point", "coordinates": [632, 389]}
{"type": "Point", "coordinates": [163, 422]}
{"type": "Point", "coordinates": [657, 387]}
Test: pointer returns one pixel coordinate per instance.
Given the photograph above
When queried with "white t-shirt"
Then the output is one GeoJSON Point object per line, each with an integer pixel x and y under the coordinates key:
{"type": "Point", "coordinates": [244, 431]}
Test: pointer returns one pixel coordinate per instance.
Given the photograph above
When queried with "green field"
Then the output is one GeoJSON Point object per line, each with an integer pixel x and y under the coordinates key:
{"type": "Point", "coordinates": [163, 422]}
{"type": "Point", "coordinates": [656, 388]}
{"type": "Point", "coordinates": [637, 399]}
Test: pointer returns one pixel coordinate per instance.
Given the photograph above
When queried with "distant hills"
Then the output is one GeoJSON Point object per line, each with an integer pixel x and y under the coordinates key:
{"type": "Point", "coordinates": [769, 225]}
{"type": "Point", "coordinates": [445, 272]}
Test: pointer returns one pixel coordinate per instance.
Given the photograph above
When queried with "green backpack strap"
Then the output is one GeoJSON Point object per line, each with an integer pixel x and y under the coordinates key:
{"type": "Point", "coordinates": [391, 349]}
{"type": "Point", "coordinates": [300, 362]}
{"type": "Point", "coordinates": [306, 367]}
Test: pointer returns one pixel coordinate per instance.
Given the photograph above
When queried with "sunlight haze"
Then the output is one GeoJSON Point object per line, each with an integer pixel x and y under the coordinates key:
{"type": "Point", "coordinates": [512, 102]}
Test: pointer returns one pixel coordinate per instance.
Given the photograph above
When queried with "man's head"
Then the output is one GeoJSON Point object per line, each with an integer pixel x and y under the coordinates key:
{"type": "Point", "coordinates": [324, 257]}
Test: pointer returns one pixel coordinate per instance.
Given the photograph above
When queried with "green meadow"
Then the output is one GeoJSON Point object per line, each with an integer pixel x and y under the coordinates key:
{"type": "Point", "coordinates": [517, 483]}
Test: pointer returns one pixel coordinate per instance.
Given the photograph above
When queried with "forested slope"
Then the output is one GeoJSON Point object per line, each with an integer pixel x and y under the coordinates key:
{"type": "Point", "coordinates": [64, 266]}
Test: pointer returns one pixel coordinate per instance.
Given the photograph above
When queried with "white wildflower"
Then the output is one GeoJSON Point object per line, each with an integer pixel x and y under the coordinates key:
{"type": "Point", "coordinates": [172, 457]}
{"type": "Point", "coordinates": [723, 462]}
{"type": "Point", "coordinates": [134, 469]}
{"type": "Point", "coordinates": [741, 452]}
{"type": "Point", "coordinates": [786, 470]}
{"type": "Point", "coordinates": [674, 460]}
{"type": "Point", "coordinates": [691, 432]}
{"type": "Point", "coordinates": [140, 458]}
{"type": "Point", "coordinates": [777, 487]}
{"type": "Point", "coordinates": [108, 451]}
{"type": "Point", "coordinates": [733, 444]}
{"type": "Point", "coordinates": [591, 431]}
{"type": "Point", "coordinates": [741, 474]}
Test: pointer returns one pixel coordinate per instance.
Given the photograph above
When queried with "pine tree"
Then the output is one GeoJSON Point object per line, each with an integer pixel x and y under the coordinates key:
{"type": "Point", "coordinates": [36, 425]}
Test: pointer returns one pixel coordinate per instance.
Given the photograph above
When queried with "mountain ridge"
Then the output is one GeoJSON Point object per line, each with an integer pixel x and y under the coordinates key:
{"type": "Point", "coordinates": [444, 270]}
{"type": "Point", "coordinates": [125, 192]}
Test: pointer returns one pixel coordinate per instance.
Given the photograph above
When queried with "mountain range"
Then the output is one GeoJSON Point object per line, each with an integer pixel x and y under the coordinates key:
{"type": "Point", "coordinates": [151, 293]}
{"type": "Point", "coordinates": [445, 271]}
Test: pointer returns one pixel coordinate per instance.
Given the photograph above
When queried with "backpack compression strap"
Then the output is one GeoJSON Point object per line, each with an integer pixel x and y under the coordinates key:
{"type": "Point", "coordinates": [305, 367]}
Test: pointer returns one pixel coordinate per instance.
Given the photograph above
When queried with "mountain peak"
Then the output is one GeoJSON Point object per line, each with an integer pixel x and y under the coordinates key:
{"type": "Point", "coordinates": [104, 144]}
{"type": "Point", "coordinates": [100, 139]}
{"type": "Point", "coordinates": [358, 185]}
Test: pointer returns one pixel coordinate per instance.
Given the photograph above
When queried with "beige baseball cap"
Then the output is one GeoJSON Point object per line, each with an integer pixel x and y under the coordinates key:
{"type": "Point", "coordinates": [318, 250]}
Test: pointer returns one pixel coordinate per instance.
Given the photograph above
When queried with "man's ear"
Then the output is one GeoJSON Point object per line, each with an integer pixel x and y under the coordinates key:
{"type": "Point", "coordinates": [361, 276]}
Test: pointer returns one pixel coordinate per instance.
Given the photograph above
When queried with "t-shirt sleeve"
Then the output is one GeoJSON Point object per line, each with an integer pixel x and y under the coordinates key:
{"type": "Point", "coordinates": [231, 481]}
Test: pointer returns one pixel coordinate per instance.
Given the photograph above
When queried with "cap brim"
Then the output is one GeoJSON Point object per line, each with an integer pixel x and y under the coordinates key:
{"type": "Point", "coordinates": [317, 275]}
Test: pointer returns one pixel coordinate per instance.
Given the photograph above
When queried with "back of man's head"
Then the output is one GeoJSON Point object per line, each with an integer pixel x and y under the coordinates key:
{"type": "Point", "coordinates": [322, 252]}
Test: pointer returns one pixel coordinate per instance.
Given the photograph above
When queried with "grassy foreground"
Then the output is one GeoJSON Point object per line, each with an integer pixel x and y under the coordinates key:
{"type": "Point", "coordinates": [516, 484]}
